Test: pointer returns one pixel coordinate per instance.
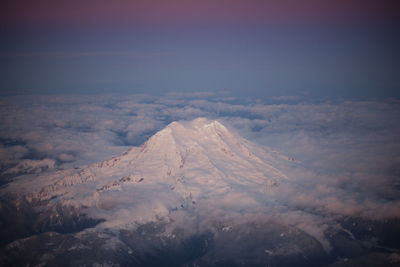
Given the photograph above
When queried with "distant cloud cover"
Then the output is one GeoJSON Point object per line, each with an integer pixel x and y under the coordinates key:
{"type": "Point", "coordinates": [347, 150]}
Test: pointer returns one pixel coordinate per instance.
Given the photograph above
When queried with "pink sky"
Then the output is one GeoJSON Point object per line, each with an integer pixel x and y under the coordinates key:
{"type": "Point", "coordinates": [159, 12]}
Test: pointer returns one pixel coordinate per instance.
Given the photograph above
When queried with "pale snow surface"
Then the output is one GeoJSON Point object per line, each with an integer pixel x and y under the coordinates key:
{"type": "Point", "coordinates": [185, 166]}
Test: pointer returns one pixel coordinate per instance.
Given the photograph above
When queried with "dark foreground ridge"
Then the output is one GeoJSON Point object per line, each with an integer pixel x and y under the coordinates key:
{"type": "Point", "coordinates": [36, 238]}
{"type": "Point", "coordinates": [21, 219]}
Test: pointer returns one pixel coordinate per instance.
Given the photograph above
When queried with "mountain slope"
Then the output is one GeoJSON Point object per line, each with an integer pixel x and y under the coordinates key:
{"type": "Point", "coordinates": [182, 166]}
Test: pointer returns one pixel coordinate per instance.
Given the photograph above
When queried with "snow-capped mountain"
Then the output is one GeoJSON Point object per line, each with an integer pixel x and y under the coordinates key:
{"type": "Point", "coordinates": [195, 194]}
{"type": "Point", "coordinates": [181, 166]}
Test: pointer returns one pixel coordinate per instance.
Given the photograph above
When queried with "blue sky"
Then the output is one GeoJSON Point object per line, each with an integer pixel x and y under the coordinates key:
{"type": "Point", "coordinates": [352, 53]}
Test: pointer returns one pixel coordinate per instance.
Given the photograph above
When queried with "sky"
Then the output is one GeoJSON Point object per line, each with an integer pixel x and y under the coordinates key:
{"type": "Point", "coordinates": [321, 49]}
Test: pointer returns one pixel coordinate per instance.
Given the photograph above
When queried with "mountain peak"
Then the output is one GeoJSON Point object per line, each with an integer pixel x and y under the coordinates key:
{"type": "Point", "coordinates": [201, 121]}
{"type": "Point", "coordinates": [199, 158]}
{"type": "Point", "coordinates": [198, 123]}
{"type": "Point", "coordinates": [184, 135]}
{"type": "Point", "coordinates": [205, 146]}
{"type": "Point", "coordinates": [206, 123]}
{"type": "Point", "coordinates": [203, 126]}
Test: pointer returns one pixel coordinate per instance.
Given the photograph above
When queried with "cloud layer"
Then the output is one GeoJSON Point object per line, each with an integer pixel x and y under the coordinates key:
{"type": "Point", "coordinates": [346, 151]}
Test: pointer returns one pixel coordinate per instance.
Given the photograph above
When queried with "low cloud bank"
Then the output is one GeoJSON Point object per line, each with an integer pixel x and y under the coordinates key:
{"type": "Point", "coordinates": [347, 151]}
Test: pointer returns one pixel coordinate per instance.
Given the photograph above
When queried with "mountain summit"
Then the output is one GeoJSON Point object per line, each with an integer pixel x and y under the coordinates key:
{"type": "Point", "coordinates": [179, 167]}
{"type": "Point", "coordinates": [194, 191]}
{"type": "Point", "coordinates": [204, 151]}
